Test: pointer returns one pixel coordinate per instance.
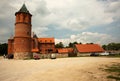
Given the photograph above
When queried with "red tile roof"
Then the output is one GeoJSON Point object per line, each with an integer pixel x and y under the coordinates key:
{"type": "Point", "coordinates": [65, 50]}
{"type": "Point", "coordinates": [46, 40]}
{"type": "Point", "coordinates": [88, 48]}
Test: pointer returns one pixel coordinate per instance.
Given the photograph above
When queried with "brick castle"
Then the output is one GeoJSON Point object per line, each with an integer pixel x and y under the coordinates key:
{"type": "Point", "coordinates": [23, 44]}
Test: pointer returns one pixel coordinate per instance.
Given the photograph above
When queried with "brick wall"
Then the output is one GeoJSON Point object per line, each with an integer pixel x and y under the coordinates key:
{"type": "Point", "coordinates": [22, 44]}
{"type": "Point", "coordinates": [10, 46]}
{"type": "Point", "coordinates": [22, 55]}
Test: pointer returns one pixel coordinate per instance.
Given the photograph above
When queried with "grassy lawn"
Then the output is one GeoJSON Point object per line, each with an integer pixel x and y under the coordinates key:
{"type": "Point", "coordinates": [114, 71]}
{"type": "Point", "coordinates": [116, 55]}
{"type": "Point", "coordinates": [111, 56]}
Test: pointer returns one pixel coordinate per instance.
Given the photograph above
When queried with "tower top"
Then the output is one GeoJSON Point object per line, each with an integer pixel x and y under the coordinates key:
{"type": "Point", "coordinates": [23, 10]}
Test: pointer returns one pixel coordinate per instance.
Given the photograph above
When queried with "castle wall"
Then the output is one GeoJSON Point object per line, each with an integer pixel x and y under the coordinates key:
{"type": "Point", "coordinates": [10, 46]}
{"type": "Point", "coordinates": [22, 55]}
{"type": "Point", "coordinates": [46, 48]}
{"type": "Point", "coordinates": [22, 30]}
{"type": "Point", "coordinates": [22, 44]}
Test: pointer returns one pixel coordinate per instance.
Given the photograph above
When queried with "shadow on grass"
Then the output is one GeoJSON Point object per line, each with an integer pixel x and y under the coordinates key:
{"type": "Point", "coordinates": [114, 77]}
{"type": "Point", "coordinates": [114, 71]}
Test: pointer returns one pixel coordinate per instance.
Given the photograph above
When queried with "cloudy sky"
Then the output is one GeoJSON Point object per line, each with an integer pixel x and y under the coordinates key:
{"type": "Point", "coordinates": [86, 21]}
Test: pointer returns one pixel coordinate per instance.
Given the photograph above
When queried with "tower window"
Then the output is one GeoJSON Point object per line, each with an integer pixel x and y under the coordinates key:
{"type": "Point", "coordinates": [45, 45]}
{"type": "Point", "coordinates": [28, 33]}
{"type": "Point", "coordinates": [40, 41]}
{"type": "Point", "coordinates": [45, 40]}
{"type": "Point", "coordinates": [18, 17]}
{"type": "Point", "coordinates": [50, 45]}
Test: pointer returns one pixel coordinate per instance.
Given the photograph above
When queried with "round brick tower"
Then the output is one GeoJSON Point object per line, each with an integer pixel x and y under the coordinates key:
{"type": "Point", "coordinates": [22, 38]}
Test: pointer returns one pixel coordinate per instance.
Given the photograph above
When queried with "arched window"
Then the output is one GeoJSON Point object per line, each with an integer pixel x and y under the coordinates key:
{"type": "Point", "coordinates": [28, 33]}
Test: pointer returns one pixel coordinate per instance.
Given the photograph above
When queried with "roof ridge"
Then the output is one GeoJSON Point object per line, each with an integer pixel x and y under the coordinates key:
{"type": "Point", "coordinates": [46, 37]}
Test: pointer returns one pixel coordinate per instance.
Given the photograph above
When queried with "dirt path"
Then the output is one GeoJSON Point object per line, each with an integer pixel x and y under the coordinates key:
{"type": "Point", "coordinates": [64, 69]}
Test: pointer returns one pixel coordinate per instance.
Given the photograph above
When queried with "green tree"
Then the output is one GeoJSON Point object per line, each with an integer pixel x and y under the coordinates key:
{"type": "Point", "coordinates": [3, 48]}
{"type": "Point", "coordinates": [104, 47]}
{"type": "Point", "coordinates": [59, 45]}
{"type": "Point", "coordinates": [75, 42]}
{"type": "Point", "coordinates": [118, 46]}
{"type": "Point", "coordinates": [80, 43]}
{"type": "Point", "coordinates": [72, 44]}
{"type": "Point", "coordinates": [112, 46]}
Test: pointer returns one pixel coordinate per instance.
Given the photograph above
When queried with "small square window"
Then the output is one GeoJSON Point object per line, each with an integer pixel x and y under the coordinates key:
{"type": "Point", "coordinates": [28, 33]}
{"type": "Point", "coordinates": [45, 40]}
{"type": "Point", "coordinates": [40, 40]}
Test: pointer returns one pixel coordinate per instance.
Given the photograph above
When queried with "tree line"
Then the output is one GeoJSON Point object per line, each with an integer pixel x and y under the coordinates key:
{"type": "Point", "coordinates": [70, 45]}
{"type": "Point", "coordinates": [112, 46]}
{"type": "Point", "coordinates": [61, 45]}
{"type": "Point", "coordinates": [3, 48]}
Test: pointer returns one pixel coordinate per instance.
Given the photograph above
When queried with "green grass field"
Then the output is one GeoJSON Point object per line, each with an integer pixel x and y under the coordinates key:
{"type": "Point", "coordinates": [114, 71]}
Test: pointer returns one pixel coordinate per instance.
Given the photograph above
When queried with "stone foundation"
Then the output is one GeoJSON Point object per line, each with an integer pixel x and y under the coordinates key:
{"type": "Point", "coordinates": [23, 55]}
{"type": "Point", "coordinates": [83, 54]}
{"type": "Point", "coordinates": [61, 55]}
{"type": "Point", "coordinates": [44, 56]}
{"type": "Point", "coordinates": [47, 56]}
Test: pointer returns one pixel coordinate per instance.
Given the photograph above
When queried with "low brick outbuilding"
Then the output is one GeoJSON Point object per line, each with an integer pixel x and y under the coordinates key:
{"type": "Point", "coordinates": [87, 49]}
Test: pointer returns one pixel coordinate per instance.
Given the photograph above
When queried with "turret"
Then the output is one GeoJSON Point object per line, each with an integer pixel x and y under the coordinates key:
{"type": "Point", "coordinates": [22, 38]}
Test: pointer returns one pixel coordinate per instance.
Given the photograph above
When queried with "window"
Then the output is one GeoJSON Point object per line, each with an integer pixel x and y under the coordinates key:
{"type": "Point", "coordinates": [45, 49]}
{"type": "Point", "coordinates": [28, 33]}
{"type": "Point", "coordinates": [40, 41]}
{"type": "Point", "coordinates": [45, 45]}
{"type": "Point", "coordinates": [45, 40]}
{"type": "Point", "coordinates": [23, 18]}
{"type": "Point", "coordinates": [50, 45]}
{"type": "Point", "coordinates": [18, 17]}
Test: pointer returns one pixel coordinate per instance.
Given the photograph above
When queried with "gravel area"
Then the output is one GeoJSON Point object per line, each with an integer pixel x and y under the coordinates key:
{"type": "Point", "coordinates": [60, 69]}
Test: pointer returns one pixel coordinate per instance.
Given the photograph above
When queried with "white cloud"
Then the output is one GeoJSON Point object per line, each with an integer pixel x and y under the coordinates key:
{"type": "Point", "coordinates": [75, 15]}
{"type": "Point", "coordinates": [79, 14]}
{"type": "Point", "coordinates": [67, 14]}
{"type": "Point", "coordinates": [40, 31]}
{"type": "Point", "coordinates": [88, 37]}
{"type": "Point", "coordinates": [113, 8]}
